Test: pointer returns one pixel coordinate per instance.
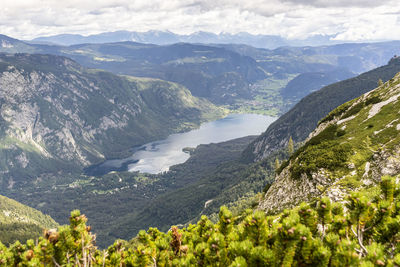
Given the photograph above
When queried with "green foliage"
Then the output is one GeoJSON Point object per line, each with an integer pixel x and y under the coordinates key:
{"type": "Point", "coordinates": [373, 100]}
{"type": "Point", "coordinates": [388, 187]}
{"type": "Point", "coordinates": [329, 155]}
{"type": "Point", "coordinates": [318, 107]}
{"type": "Point", "coordinates": [20, 222]}
{"type": "Point", "coordinates": [122, 112]}
{"type": "Point", "coordinates": [114, 202]}
{"type": "Point", "coordinates": [277, 165]}
{"type": "Point", "coordinates": [290, 146]}
{"type": "Point", "coordinates": [353, 110]}
{"type": "Point", "coordinates": [316, 234]}
{"type": "Point", "coordinates": [314, 146]}
{"type": "Point", "coordinates": [321, 151]}
{"type": "Point", "coordinates": [336, 112]}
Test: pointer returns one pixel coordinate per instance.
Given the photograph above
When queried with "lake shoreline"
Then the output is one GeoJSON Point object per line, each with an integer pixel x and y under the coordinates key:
{"type": "Point", "coordinates": [156, 157]}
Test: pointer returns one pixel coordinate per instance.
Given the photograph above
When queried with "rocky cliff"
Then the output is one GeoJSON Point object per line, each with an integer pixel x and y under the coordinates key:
{"type": "Point", "coordinates": [56, 115]}
{"type": "Point", "coordinates": [351, 148]}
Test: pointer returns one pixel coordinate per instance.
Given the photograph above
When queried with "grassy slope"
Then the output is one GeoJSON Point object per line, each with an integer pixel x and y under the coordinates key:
{"type": "Point", "coordinates": [304, 116]}
{"type": "Point", "coordinates": [368, 135]}
{"type": "Point", "coordinates": [364, 134]}
{"type": "Point", "coordinates": [351, 149]}
{"type": "Point", "coordinates": [20, 222]}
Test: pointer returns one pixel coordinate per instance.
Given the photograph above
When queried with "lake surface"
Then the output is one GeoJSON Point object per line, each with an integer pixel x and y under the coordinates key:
{"type": "Point", "coordinates": [158, 156]}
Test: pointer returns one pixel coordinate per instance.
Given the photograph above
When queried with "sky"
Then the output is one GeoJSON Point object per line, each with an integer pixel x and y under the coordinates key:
{"type": "Point", "coordinates": [350, 20]}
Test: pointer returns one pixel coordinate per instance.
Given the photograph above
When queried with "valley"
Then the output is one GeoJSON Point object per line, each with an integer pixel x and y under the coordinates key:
{"type": "Point", "coordinates": [240, 77]}
{"type": "Point", "coordinates": [299, 121]}
{"type": "Point", "coordinates": [200, 133]}
{"type": "Point", "coordinates": [104, 198]}
{"type": "Point", "coordinates": [342, 177]}
{"type": "Point", "coordinates": [55, 111]}
{"type": "Point", "coordinates": [140, 135]}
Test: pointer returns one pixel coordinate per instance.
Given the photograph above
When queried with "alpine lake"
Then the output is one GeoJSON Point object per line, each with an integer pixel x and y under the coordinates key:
{"type": "Point", "coordinates": [156, 157]}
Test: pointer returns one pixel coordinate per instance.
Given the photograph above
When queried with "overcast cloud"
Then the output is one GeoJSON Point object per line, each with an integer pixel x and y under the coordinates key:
{"type": "Point", "coordinates": [352, 19]}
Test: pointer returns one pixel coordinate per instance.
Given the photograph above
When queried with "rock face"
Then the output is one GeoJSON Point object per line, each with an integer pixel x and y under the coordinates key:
{"type": "Point", "coordinates": [286, 192]}
{"type": "Point", "coordinates": [302, 119]}
{"type": "Point", "coordinates": [56, 115]}
{"type": "Point", "coordinates": [352, 148]}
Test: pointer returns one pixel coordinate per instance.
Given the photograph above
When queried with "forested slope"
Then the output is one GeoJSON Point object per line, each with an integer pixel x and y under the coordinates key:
{"type": "Point", "coordinates": [304, 116]}
{"type": "Point", "coordinates": [58, 116]}
{"type": "Point", "coordinates": [20, 222]}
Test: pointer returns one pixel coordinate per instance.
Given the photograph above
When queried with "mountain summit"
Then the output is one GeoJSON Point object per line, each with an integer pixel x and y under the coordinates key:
{"type": "Point", "coordinates": [167, 37]}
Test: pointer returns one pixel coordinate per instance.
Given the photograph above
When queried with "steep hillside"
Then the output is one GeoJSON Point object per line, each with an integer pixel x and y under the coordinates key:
{"type": "Point", "coordinates": [363, 231]}
{"type": "Point", "coordinates": [57, 115]}
{"type": "Point", "coordinates": [309, 82]}
{"type": "Point", "coordinates": [351, 149]}
{"type": "Point", "coordinates": [304, 116]}
{"type": "Point", "coordinates": [20, 222]}
{"type": "Point", "coordinates": [11, 45]}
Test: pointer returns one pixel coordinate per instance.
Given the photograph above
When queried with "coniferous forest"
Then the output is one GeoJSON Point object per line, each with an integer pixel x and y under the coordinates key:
{"type": "Point", "coordinates": [361, 231]}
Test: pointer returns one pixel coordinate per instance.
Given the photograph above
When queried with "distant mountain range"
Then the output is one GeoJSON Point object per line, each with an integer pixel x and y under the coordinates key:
{"type": "Point", "coordinates": [229, 74]}
{"type": "Point", "coordinates": [167, 37]}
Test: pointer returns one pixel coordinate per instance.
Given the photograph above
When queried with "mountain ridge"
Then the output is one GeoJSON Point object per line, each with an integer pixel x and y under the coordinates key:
{"type": "Point", "coordinates": [58, 114]}
{"type": "Point", "coordinates": [304, 116]}
{"type": "Point", "coordinates": [167, 37]}
{"type": "Point", "coordinates": [243, 78]}
{"type": "Point", "coordinates": [352, 148]}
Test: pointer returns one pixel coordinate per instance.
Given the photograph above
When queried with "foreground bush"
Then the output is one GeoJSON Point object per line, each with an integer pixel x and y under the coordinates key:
{"type": "Point", "coordinates": [362, 232]}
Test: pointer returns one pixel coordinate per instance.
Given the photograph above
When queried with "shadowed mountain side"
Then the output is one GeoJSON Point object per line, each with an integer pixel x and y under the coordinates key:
{"type": "Point", "coordinates": [304, 116]}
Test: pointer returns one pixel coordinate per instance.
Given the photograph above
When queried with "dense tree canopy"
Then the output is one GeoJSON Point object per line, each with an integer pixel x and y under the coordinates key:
{"type": "Point", "coordinates": [363, 230]}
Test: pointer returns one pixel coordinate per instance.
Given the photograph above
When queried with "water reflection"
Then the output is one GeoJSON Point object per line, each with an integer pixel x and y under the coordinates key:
{"type": "Point", "coordinates": [158, 156]}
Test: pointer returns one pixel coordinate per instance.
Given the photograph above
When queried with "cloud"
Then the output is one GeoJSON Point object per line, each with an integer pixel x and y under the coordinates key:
{"type": "Point", "coordinates": [353, 19]}
{"type": "Point", "coordinates": [341, 3]}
